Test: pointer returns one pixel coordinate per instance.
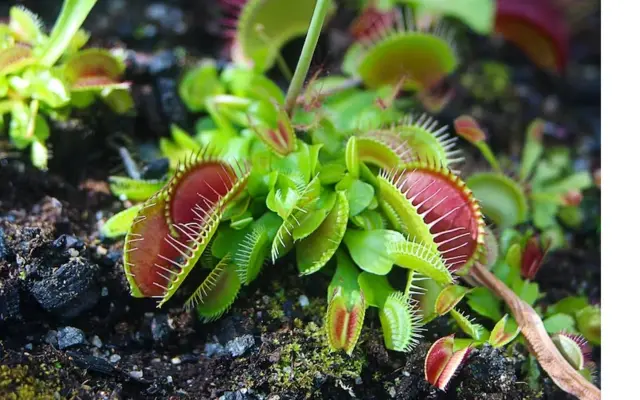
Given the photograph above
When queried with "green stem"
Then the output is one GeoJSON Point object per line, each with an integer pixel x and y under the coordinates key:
{"type": "Point", "coordinates": [310, 42]}
{"type": "Point", "coordinates": [284, 68]}
{"type": "Point", "coordinates": [70, 19]}
{"type": "Point", "coordinates": [488, 155]}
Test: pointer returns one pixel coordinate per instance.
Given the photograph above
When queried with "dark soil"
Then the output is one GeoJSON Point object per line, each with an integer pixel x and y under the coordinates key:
{"type": "Point", "coordinates": [69, 328]}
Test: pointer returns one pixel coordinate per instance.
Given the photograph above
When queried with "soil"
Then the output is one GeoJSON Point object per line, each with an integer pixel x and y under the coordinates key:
{"type": "Point", "coordinates": [70, 329]}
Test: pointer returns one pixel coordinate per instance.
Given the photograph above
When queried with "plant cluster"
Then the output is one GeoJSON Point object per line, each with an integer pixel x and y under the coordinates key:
{"type": "Point", "coordinates": [45, 76]}
{"type": "Point", "coordinates": [343, 178]}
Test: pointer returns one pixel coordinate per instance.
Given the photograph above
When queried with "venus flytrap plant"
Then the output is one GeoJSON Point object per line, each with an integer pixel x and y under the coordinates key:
{"type": "Point", "coordinates": [47, 75]}
{"type": "Point", "coordinates": [257, 186]}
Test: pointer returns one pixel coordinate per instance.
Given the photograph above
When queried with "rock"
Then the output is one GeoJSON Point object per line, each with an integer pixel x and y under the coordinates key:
{"type": "Point", "coordinates": [136, 374]}
{"type": "Point", "coordinates": [214, 349]}
{"type": "Point", "coordinates": [114, 358]}
{"type": "Point", "coordinates": [66, 242]}
{"type": "Point", "coordinates": [70, 291]}
{"type": "Point", "coordinates": [95, 340]}
{"type": "Point", "coordinates": [240, 345]}
{"type": "Point", "coordinates": [237, 395]}
{"type": "Point", "coordinates": [160, 329]}
{"type": "Point", "coordinates": [70, 336]}
{"type": "Point", "coordinates": [9, 299]}
{"type": "Point", "coordinates": [91, 363]}
{"type": "Point", "coordinates": [51, 338]}
{"type": "Point", "coordinates": [303, 301]}
{"type": "Point", "coordinates": [28, 346]}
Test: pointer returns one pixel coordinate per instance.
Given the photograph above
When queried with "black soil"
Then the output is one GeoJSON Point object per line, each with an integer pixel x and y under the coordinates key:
{"type": "Point", "coordinates": [69, 328]}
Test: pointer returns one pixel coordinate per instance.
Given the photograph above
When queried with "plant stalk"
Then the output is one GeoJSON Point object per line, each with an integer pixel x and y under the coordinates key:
{"type": "Point", "coordinates": [70, 19]}
{"type": "Point", "coordinates": [532, 328]}
{"type": "Point", "coordinates": [310, 42]}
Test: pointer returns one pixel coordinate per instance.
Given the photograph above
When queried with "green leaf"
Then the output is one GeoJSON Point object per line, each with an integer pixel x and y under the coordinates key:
{"type": "Point", "coordinates": [369, 249]}
{"type": "Point", "coordinates": [49, 88]}
{"type": "Point", "coordinates": [528, 291]}
{"type": "Point", "coordinates": [501, 198]}
{"type": "Point", "coordinates": [119, 224]}
{"type": "Point", "coordinates": [376, 288]}
{"type": "Point", "coordinates": [475, 331]}
{"type": "Point", "coordinates": [20, 117]}
{"type": "Point", "coordinates": [313, 252]}
{"type": "Point", "coordinates": [251, 84]}
{"type": "Point", "coordinates": [351, 157]}
{"type": "Point", "coordinates": [39, 155]}
{"type": "Point", "coordinates": [134, 189]}
{"type": "Point", "coordinates": [310, 221]}
{"type": "Point", "coordinates": [360, 195]}
{"type": "Point", "coordinates": [479, 15]}
{"type": "Point", "coordinates": [577, 181]}
{"type": "Point", "coordinates": [449, 297]}
{"type": "Point", "coordinates": [422, 258]}
{"type": "Point", "coordinates": [558, 323]}
{"type": "Point", "coordinates": [218, 291]}
{"type": "Point", "coordinates": [589, 323]}
{"type": "Point", "coordinates": [118, 100]}
{"type": "Point", "coordinates": [198, 83]}
{"type": "Point", "coordinates": [227, 240]}
{"type": "Point", "coordinates": [369, 220]}
{"type": "Point", "coordinates": [425, 291]}
{"type": "Point", "coordinates": [569, 305]}
{"type": "Point", "coordinates": [26, 25]}
{"type": "Point", "coordinates": [504, 332]}
{"type": "Point", "coordinates": [533, 148]}
{"type": "Point", "coordinates": [346, 275]}
{"type": "Point", "coordinates": [544, 214]}
{"type": "Point", "coordinates": [485, 303]}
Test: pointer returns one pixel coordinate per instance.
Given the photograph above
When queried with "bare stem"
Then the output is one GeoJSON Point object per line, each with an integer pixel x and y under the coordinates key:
{"type": "Point", "coordinates": [310, 42]}
{"type": "Point", "coordinates": [560, 371]}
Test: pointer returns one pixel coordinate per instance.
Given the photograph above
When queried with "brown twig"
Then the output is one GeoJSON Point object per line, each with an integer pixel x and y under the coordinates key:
{"type": "Point", "coordinates": [563, 374]}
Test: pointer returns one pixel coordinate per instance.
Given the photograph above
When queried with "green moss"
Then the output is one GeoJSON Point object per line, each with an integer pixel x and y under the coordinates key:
{"type": "Point", "coordinates": [18, 383]}
{"type": "Point", "coordinates": [305, 360]}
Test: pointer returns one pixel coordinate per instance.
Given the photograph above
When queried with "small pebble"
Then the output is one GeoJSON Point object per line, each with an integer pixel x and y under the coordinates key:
{"type": "Point", "coordinates": [135, 374]}
{"type": "Point", "coordinates": [104, 292]}
{"type": "Point", "coordinates": [114, 358]}
{"type": "Point", "coordinates": [240, 345]}
{"type": "Point", "coordinates": [214, 349]}
{"type": "Point", "coordinates": [69, 336]}
{"type": "Point", "coordinates": [28, 346]}
{"type": "Point", "coordinates": [169, 379]}
{"type": "Point", "coordinates": [95, 340]}
{"type": "Point", "coordinates": [303, 301]}
{"type": "Point", "coordinates": [74, 253]}
{"type": "Point", "coordinates": [176, 361]}
{"type": "Point", "coordinates": [51, 338]}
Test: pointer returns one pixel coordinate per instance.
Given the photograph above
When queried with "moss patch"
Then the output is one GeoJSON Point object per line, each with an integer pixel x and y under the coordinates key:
{"type": "Point", "coordinates": [18, 383]}
{"type": "Point", "coordinates": [303, 361]}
